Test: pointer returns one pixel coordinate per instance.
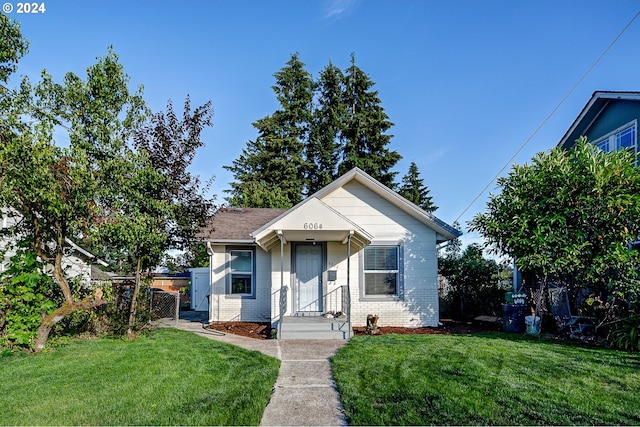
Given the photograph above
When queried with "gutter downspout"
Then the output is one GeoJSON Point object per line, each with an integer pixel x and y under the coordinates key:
{"type": "Point", "coordinates": [210, 252]}
{"type": "Point", "coordinates": [349, 279]}
{"type": "Point", "coordinates": [283, 295]}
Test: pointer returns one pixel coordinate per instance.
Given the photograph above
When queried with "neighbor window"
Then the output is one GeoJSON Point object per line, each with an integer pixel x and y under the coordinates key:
{"type": "Point", "coordinates": [623, 138]}
{"type": "Point", "coordinates": [241, 271]}
{"type": "Point", "coordinates": [381, 270]}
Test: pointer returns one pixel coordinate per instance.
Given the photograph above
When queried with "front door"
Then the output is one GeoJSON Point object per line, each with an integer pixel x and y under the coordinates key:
{"type": "Point", "coordinates": [308, 263]}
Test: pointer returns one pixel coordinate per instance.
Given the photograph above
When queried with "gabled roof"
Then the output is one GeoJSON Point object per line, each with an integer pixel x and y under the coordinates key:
{"type": "Point", "coordinates": [444, 230]}
{"type": "Point", "coordinates": [261, 225]}
{"type": "Point", "coordinates": [292, 225]}
{"type": "Point", "coordinates": [590, 113]}
{"type": "Point", "coordinates": [237, 224]}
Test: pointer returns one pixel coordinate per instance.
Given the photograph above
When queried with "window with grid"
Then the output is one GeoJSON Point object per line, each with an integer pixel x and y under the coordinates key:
{"type": "Point", "coordinates": [241, 271]}
{"type": "Point", "coordinates": [624, 138]}
{"type": "Point", "coordinates": [381, 270]}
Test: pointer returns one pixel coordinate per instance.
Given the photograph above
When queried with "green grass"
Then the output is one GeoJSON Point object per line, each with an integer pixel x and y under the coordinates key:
{"type": "Point", "coordinates": [492, 379]}
{"type": "Point", "coordinates": [168, 377]}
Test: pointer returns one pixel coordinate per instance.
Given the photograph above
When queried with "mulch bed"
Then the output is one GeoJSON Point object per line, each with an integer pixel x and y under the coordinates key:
{"type": "Point", "coordinates": [262, 331]}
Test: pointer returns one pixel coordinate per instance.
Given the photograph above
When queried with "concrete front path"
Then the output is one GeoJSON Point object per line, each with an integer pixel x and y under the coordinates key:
{"type": "Point", "coordinates": [304, 393]}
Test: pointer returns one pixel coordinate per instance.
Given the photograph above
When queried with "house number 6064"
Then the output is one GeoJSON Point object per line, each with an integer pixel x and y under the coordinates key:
{"type": "Point", "coordinates": [312, 226]}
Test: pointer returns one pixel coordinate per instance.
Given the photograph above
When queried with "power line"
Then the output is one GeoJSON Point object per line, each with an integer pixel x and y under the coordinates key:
{"type": "Point", "coordinates": [550, 115]}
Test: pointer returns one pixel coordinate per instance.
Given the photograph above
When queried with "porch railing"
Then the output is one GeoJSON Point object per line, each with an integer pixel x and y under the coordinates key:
{"type": "Point", "coordinates": [337, 301]}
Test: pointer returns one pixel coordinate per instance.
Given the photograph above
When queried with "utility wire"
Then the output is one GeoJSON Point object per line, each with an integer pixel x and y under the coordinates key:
{"type": "Point", "coordinates": [575, 86]}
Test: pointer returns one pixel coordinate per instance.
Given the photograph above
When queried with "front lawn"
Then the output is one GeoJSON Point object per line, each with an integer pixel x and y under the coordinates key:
{"type": "Point", "coordinates": [499, 379]}
{"type": "Point", "coordinates": [168, 377]}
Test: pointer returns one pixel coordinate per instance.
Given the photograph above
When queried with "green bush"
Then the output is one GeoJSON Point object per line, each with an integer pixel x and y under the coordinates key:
{"type": "Point", "coordinates": [625, 334]}
{"type": "Point", "coordinates": [474, 286]}
{"type": "Point", "coordinates": [26, 293]}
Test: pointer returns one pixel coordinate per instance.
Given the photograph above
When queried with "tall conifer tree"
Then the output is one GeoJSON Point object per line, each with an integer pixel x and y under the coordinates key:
{"type": "Point", "coordinates": [275, 160]}
{"type": "Point", "coordinates": [414, 190]}
{"type": "Point", "coordinates": [323, 149]}
{"type": "Point", "coordinates": [365, 140]}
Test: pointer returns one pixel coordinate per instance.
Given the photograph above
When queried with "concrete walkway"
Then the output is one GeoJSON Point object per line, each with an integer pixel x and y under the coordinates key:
{"type": "Point", "coordinates": [304, 393]}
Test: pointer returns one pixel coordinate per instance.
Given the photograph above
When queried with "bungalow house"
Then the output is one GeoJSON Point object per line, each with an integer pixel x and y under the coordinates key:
{"type": "Point", "coordinates": [353, 249]}
{"type": "Point", "coordinates": [609, 120]}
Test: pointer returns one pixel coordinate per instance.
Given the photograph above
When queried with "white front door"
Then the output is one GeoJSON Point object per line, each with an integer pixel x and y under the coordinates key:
{"type": "Point", "coordinates": [308, 263]}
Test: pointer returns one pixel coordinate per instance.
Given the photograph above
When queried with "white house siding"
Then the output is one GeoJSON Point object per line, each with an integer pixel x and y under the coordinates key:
{"type": "Point", "coordinates": [77, 269]}
{"type": "Point", "coordinates": [229, 308]}
{"type": "Point", "coordinates": [388, 224]}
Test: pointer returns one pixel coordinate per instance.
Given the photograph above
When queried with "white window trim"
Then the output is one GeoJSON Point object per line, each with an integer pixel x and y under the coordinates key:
{"type": "Point", "coordinates": [611, 136]}
{"type": "Point", "coordinates": [228, 274]}
{"type": "Point", "coordinates": [399, 295]}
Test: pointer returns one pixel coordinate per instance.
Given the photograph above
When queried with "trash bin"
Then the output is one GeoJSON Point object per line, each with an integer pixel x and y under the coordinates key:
{"type": "Point", "coordinates": [513, 317]}
{"type": "Point", "coordinates": [508, 297]}
{"type": "Point", "coordinates": [533, 325]}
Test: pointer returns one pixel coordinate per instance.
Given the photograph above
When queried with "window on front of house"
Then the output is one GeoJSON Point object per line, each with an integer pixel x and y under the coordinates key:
{"type": "Point", "coordinates": [623, 138]}
{"type": "Point", "coordinates": [241, 272]}
{"type": "Point", "coordinates": [381, 271]}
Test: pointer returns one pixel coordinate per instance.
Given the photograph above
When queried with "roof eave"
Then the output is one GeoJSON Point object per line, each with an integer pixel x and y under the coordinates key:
{"type": "Point", "coordinates": [596, 98]}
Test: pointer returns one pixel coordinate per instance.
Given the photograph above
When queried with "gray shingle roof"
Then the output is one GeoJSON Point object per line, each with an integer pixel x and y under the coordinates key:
{"type": "Point", "coordinates": [237, 223]}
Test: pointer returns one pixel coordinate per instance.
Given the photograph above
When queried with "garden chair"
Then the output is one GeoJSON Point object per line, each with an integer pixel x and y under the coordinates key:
{"type": "Point", "coordinates": [561, 311]}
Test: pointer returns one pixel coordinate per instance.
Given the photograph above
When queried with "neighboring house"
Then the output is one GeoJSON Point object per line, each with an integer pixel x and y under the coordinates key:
{"type": "Point", "coordinates": [353, 249]}
{"type": "Point", "coordinates": [76, 263]}
{"type": "Point", "coordinates": [609, 121]}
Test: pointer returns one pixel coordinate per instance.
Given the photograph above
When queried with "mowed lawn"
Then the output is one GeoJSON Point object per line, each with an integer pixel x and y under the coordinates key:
{"type": "Point", "coordinates": [498, 379]}
{"type": "Point", "coordinates": [168, 377]}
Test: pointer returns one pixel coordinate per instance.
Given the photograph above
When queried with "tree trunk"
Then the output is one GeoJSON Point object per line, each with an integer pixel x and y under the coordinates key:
{"type": "Point", "coordinates": [134, 301]}
{"type": "Point", "coordinates": [49, 321]}
{"type": "Point", "coordinates": [69, 306]}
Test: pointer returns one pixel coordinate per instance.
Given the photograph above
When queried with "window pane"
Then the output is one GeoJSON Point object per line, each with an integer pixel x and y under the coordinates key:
{"type": "Point", "coordinates": [603, 145]}
{"type": "Point", "coordinates": [380, 283]}
{"type": "Point", "coordinates": [241, 261]}
{"type": "Point", "coordinates": [626, 138]}
{"type": "Point", "coordinates": [240, 283]}
{"type": "Point", "coordinates": [381, 258]}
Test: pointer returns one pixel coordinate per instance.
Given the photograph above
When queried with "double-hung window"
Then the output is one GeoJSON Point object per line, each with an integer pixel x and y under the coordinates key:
{"type": "Point", "coordinates": [623, 138]}
{"type": "Point", "coordinates": [241, 272]}
{"type": "Point", "coordinates": [381, 270]}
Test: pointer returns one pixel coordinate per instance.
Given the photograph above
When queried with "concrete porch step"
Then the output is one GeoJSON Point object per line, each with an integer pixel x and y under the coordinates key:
{"type": "Point", "coordinates": [315, 328]}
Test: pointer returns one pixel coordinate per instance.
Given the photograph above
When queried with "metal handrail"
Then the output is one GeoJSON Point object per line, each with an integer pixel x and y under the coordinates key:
{"type": "Point", "coordinates": [337, 300]}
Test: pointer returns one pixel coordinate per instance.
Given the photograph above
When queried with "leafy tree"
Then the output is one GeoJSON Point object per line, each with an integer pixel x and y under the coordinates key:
{"type": "Point", "coordinates": [276, 158]}
{"type": "Point", "coordinates": [473, 281]}
{"type": "Point", "coordinates": [52, 189]}
{"type": "Point", "coordinates": [570, 216]}
{"type": "Point", "coordinates": [365, 141]}
{"type": "Point", "coordinates": [154, 203]}
{"type": "Point", "coordinates": [414, 190]}
{"type": "Point", "coordinates": [26, 292]}
{"type": "Point", "coordinates": [12, 47]}
{"type": "Point", "coordinates": [323, 148]}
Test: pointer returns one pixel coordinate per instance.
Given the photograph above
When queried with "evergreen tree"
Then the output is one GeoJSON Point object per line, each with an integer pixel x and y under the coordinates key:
{"type": "Point", "coordinates": [414, 190]}
{"type": "Point", "coordinates": [364, 137]}
{"type": "Point", "coordinates": [323, 149]}
{"type": "Point", "coordinates": [303, 146]}
{"type": "Point", "coordinates": [275, 160]}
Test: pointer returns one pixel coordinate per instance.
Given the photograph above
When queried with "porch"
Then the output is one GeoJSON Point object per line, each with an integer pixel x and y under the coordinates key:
{"type": "Point", "coordinates": [315, 327]}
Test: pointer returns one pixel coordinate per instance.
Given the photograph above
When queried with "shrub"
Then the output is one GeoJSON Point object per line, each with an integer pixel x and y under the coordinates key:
{"type": "Point", "coordinates": [625, 334]}
{"type": "Point", "coordinates": [26, 294]}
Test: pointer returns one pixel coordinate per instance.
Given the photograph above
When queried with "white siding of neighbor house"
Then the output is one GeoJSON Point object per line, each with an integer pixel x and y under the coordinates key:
{"type": "Point", "coordinates": [75, 267]}
{"type": "Point", "coordinates": [229, 308]}
{"type": "Point", "coordinates": [388, 224]}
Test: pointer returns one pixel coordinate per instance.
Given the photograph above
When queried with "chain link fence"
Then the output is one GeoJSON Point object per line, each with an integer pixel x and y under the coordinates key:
{"type": "Point", "coordinates": [165, 306]}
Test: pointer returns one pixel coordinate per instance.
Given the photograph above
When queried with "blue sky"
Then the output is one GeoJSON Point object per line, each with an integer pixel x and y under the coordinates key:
{"type": "Point", "coordinates": [465, 83]}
